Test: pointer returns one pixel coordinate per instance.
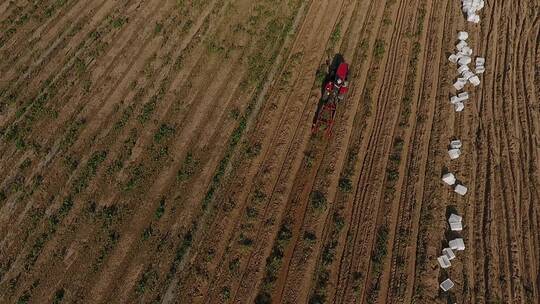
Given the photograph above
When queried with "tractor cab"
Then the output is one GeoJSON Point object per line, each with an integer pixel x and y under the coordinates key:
{"type": "Point", "coordinates": [337, 85]}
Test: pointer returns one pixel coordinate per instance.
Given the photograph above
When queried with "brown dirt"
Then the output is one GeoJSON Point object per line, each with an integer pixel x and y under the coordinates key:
{"type": "Point", "coordinates": [161, 151]}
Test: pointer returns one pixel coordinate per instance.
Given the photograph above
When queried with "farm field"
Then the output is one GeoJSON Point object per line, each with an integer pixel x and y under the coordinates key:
{"type": "Point", "coordinates": [160, 151]}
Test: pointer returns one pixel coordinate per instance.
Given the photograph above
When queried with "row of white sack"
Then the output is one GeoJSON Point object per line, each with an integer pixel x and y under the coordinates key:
{"type": "Point", "coordinates": [471, 8]}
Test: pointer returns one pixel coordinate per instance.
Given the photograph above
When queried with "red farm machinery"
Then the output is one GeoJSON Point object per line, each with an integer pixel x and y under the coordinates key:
{"type": "Point", "coordinates": [334, 88]}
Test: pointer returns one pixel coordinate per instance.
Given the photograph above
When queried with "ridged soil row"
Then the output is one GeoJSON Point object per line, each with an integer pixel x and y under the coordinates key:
{"type": "Point", "coordinates": [169, 114]}
{"type": "Point", "coordinates": [182, 142]}
{"type": "Point", "coordinates": [377, 273]}
{"type": "Point", "coordinates": [518, 142]}
{"type": "Point", "coordinates": [39, 81]}
{"type": "Point", "coordinates": [197, 273]}
{"type": "Point", "coordinates": [490, 259]}
{"type": "Point", "coordinates": [322, 159]}
{"type": "Point", "coordinates": [215, 231]}
{"type": "Point", "coordinates": [405, 147]}
{"type": "Point", "coordinates": [330, 249]}
{"type": "Point", "coordinates": [421, 76]}
{"type": "Point", "coordinates": [28, 146]}
{"type": "Point", "coordinates": [295, 60]}
{"type": "Point", "coordinates": [426, 156]}
{"type": "Point", "coordinates": [54, 26]}
{"type": "Point", "coordinates": [99, 88]}
{"type": "Point", "coordinates": [438, 204]}
{"type": "Point", "coordinates": [68, 119]}
{"type": "Point", "coordinates": [284, 157]}
{"type": "Point", "coordinates": [23, 18]}
{"type": "Point", "coordinates": [369, 65]}
{"type": "Point", "coordinates": [313, 179]}
{"type": "Point", "coordinates": [32, 92]}
{"type": "Point", "coordinates": [530, 127]}
{"type": "Point", "coordinates": [297, 190]}
{"type": "Point", "coordinates": [61, 145]}
{"type": "Point", "coordinates": [508, 189]}
{"type": "Point", "coordinates": [104, 68]}
{"type": "Point", "coordinates": [113, 140]}
{"type": "Point", "coordinates": [47, 199]}
{"type": "Point", "coordinates": [41, 178]}
{"type": "Point", "coordinates": [506, 179]}
{"type": "Point", "coordinates": [228, 91]}
{"type": "Point", "coordinates": [433, 138]}
{"type": "Point", "coordinates": [180, 145]}
{"type": "Point", "coordinates": [333, 238]}
{"type": "Point", "coordinates": [350, 280]}
{"type": "Point", "coordinates": [481, 258]}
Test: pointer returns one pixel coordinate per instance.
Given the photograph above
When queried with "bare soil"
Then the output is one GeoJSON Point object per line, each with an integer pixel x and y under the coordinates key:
{"type": "Point", "coordinates": [161, 152]}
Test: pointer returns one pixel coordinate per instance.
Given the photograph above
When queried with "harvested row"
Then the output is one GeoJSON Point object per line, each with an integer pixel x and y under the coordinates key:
{"type": "Point", "coordinates": [160, 151]}
{"type": "Point", "coordinates": [295, 61]}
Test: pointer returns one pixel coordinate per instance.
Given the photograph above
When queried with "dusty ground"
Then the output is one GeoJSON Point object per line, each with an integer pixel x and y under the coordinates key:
{"type": "Point", "coordinates": [159, 151]}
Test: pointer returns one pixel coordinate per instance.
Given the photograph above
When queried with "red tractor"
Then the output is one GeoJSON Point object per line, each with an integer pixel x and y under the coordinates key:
{"type": "Point", "coordinates": [335, 87]}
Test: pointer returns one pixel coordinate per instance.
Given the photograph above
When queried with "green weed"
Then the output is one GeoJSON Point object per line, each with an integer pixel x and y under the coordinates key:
{"type": "Point", "coordinates": [158, 28]}
{"type": "Point", "coordinates": [213, 47]}
{"type": "Point", "coordinates": [163, 132]}
{"type": "Point", "coordinates": [392, 174]}
{"type": "Point", "coordinates": [235, 113]}
{"type": "Point", "coordinates": [310, 237]}
{"type": "Point", "coordinates": [345, 185]}
{"type": "Point", "coordinates": [263, 298]}
{"type": "Point", "coordinates": [380, 251]}
{"type": "Point", "coordinates": [225, 293]}
{"type": "Point", "coordinates": [259, 196]}
{"type": "Point", "coordinates": [24, 298]}
{"type": "Point", "coordinates": [252, 150]}
{"type": "Point", "coordinates": [273, 262]}
{"type": "Point", "coordinates": [147, 281]}
{"type": "Point", "coordinates": [111, 241]}
{"type": "Point", "coordinates": [118, 22]}
{"type": "Point", "coordinates": [181, 251]}
{"type": "Point", "coordinates": [89, 171]}
{"type": "Point", "coordinates": [320, 75]}
{"type": "Point", "coordinates": [137, 174]}
{"type": "Point", "coordinates": [58, 296]}
{"type": "Point", "coordinates": [379, 49]}
{"type": "Point", "coordinates": [147, 233]}
{"type": "Point", "coordinates": [72, 133]}
{"type": "Point", "coordinates": [335, 36]}
{"type": "Point", "coordinates": [309, 158]}
{"type": "Point", "coordinates": [80, 66]}
{"type": "Point", "coordinates": [245, 241]}
{"type": "Point", "coordinates": [148, 110]}
{"type": "Point", "coordinates": [126, 114]}
{"type": "Point", "coordinates": [189, 167]}
{"type": "Point", "coordinates": [339, 221]}
{"type": "Point", "coordinates": [251, 212]}
{"type": "Point", "coordinates": [160, 209]}
{"type": "Point", "coordinates": [318, 200]}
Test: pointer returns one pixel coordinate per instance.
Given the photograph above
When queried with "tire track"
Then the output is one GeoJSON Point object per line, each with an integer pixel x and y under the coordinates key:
{"type": "Point", "coordinates": [346, 282]}
{"type": "Point", "coordinates": [285, 48]}
{"type": "Point", "coordinates": [299, 270]}
{"type": "Point", "coordinates": [294, 47]}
